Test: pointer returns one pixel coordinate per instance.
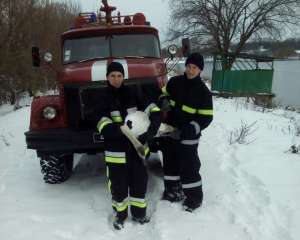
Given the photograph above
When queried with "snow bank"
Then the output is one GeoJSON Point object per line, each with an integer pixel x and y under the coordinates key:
{"type": "Point", "coordinates": [251, 190]}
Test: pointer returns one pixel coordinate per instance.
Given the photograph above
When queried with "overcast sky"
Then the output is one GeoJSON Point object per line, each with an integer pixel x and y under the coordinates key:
{"type": "Point", "coordinates": [156, 11]}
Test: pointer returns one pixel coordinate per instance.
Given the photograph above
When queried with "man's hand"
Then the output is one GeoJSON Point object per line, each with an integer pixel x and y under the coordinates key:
{"type": "Point", "coordinates": [144, 138]}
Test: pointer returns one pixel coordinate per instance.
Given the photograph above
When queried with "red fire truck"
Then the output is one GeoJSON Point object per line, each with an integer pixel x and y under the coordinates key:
{"type": "Point", "coordinates": [65, 124]}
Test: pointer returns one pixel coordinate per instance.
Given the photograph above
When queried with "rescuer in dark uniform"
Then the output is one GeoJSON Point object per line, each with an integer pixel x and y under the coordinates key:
{"type": "Point", "coordinates": [127, 176]}
{"type": "Point", "coordinates": [191, 111]}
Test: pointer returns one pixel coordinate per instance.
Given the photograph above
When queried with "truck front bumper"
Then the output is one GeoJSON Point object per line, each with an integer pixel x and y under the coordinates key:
{"type": "Point", "coordinates": [64, 141]}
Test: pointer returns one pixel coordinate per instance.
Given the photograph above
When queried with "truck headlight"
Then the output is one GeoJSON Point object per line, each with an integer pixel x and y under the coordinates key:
{"type": "Point", "coordinates": [49, 113]}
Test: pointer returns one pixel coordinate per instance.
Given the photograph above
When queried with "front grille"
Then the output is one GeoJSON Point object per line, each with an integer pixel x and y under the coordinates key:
{"type": "Point", "coordinates": [85, 102]}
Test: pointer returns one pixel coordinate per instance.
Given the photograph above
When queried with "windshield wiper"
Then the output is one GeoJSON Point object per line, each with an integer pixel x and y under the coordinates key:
{"type": "Point", "coordinates": [91, 59]}
{"type": "Point", "coordinates": [136, 57]}
{"type": "Point", "coordinates": [150, 57]}
{"type": "Point", "coordinates": [129, 56]}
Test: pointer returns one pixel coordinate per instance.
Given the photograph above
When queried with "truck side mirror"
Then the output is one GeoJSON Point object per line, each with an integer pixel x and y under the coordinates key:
{"type": "Point", "coordinates": [172, 50]}
{"type": "Point", "coordinates": [186, 47]}
{"type": "Point", "coordinates": [36, 59]}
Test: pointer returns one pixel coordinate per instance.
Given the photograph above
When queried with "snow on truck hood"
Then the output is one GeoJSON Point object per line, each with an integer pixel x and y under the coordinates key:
{"type": "Point", "coordinates": [96, 70]}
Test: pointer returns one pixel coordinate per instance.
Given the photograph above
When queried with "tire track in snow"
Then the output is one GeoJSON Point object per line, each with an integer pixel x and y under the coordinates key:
{"type": "Point", "coordinates": [5, 141]}
{"type": "Point", "coordinates": [154, 192]}
{"type": "Point", "coordinates": [250, 203]}
{"type": "Point", "coordinates": [2, 188]}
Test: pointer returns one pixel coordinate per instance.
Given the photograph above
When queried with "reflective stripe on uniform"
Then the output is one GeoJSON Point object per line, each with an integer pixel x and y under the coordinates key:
{"type": "Point", "coordinates": [116, 116]}
{"type": "Point", "coordinates": [117, 119]}
{"type": "Point", "coordinates": [138, 202]}
{"type": "Point", "coordinates": [188, 109]}
{"type": "Point", "coordinates": [109, 182]}
{"type": "Point", "coordinates": [185, 108]}
{"type": "Point", "coordinates": [103, 122]}
{"type": "Point", "coordinates": [155, 109]}
{"type": "Point", "coordinates": [171, 178]}
{"type": "Point", "coordinates": [115, 154]}
{"type": "Point", "coordinates": [120, 206]}
{"type": "Point", "coordinates": [147, 150]}
{"type": "Point", "coordinates": [192, 185]}
{"type": "Point", "coordinates": [115, 157]}
{"type": "Point", "coordinates": [131, 110]}
{"type": "Point", "coordinates": [190, 142]}
{"type": "Point", "coordinates": [101, 125]}
{"type": "Point", "coordinates": [197, 127]}
{"type": "Point", "coordinates": [152, 107]}
{"type": "Point", "coordinates": [172, 103]}
{"type": "Point", "coordinates": [208, 112]}
{"type": "Point", "coordinates": [115, 113]}
{"type": "Point", "coordinates": [109, 186]}
{"type": "Point", "coordinates": [164, 90]}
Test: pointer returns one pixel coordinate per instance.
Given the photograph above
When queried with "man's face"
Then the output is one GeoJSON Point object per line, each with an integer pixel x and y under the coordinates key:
{"type": "Point", "coordinates": [115, 79]}
{"type": "Point", "coordinates": [192, 71]}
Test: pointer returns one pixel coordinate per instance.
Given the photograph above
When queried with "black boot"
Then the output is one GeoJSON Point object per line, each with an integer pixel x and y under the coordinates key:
{"type": "Point", "coordinates": [141, 220]}
{"type": "Point", "coordinates": [172, 196]}
{"type": "Point", "coordinates": [194, 198]}
{"type": "Point", "coordinates": [173, 193]}
{"type": "Point", "coordinates": [119, 219]}
{"type": "Point", "coordinates": [190, 206]}
{"type": "Point", "coordinates": [118, 223]}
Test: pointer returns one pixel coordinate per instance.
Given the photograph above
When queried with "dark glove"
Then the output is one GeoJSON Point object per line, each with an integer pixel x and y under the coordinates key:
{"type": "Point", "coordinates": [112, 131]}
{"type": "Point", "coordinates": [144, 138]}
{"type": "Point", "coordinates": [155, 120]}
{"type": "Point", "coordinates": [154, 144]}
{"type": "Point", "coordinates": [164, 104]}
{"type": "Point", "coordinates": [147, 152]}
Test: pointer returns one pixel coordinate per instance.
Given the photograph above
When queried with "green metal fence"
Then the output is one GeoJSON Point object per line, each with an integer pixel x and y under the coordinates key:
{"type": "Point", "coordinates": [248, 75]}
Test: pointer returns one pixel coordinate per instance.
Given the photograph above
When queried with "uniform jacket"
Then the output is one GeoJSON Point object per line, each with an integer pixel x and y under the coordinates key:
{"type": "Point", "coordinates": [191, 104]}
{"type": "Point", "coordinates": [120, 102]}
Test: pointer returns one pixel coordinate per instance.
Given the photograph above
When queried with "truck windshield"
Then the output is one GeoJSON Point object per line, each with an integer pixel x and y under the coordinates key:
{"type": "Point", "coordinates": [125, 45]}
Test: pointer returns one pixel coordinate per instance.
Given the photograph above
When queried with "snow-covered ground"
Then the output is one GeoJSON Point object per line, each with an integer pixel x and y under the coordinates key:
{"type": "Point", "coordinates": [251, 190]}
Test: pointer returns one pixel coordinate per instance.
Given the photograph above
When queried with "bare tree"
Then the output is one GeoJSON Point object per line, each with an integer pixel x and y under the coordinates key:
{"type": "Point", "coordinates": [13, 42]}
{"type": "Point", "coordinates": [24, 24]}
{"type": "Point", "coordinates": [222, 23]}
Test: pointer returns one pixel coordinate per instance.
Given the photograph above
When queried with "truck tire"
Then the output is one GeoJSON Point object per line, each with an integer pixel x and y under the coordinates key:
{"type": "Point", "coordinates": [56, 168]}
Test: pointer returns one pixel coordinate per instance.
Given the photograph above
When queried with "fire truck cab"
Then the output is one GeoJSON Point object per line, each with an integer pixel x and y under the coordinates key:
{"type": "Point", "coordinates": [64, 124]}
